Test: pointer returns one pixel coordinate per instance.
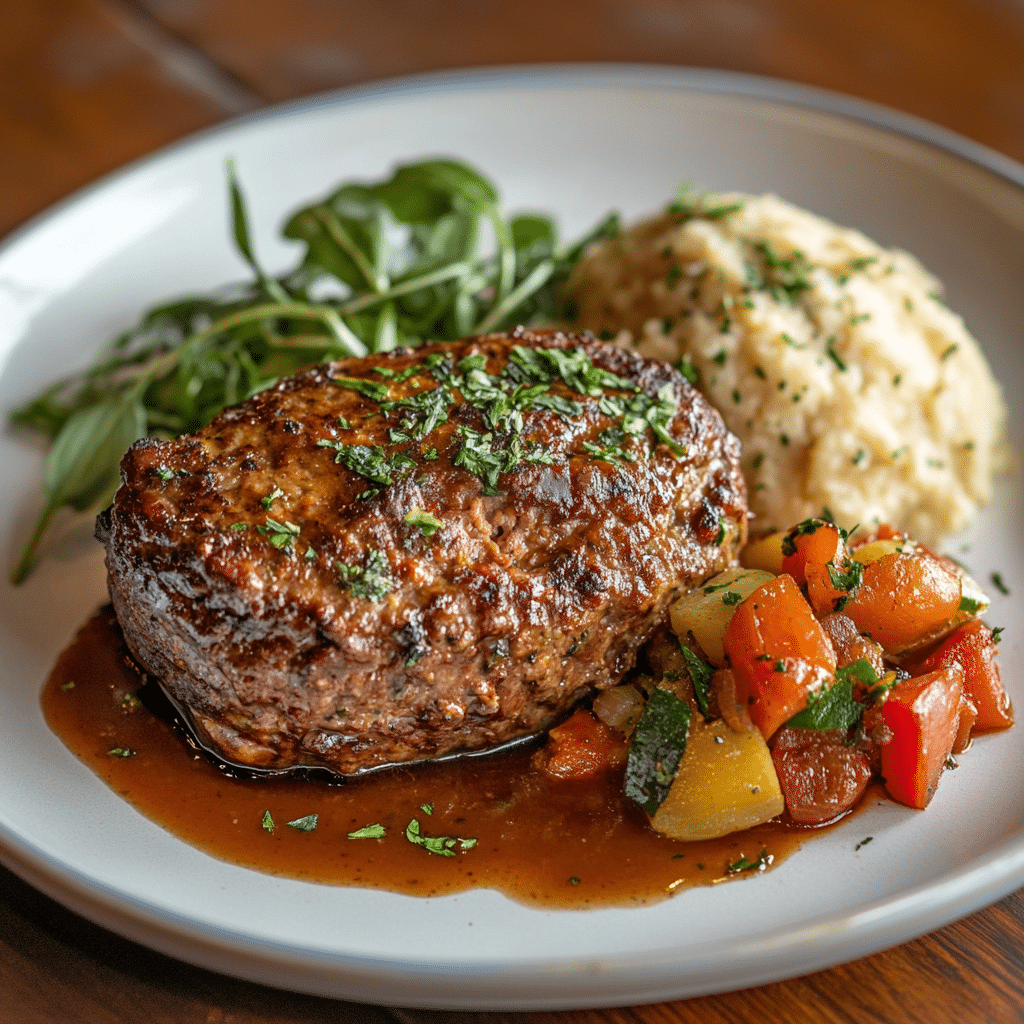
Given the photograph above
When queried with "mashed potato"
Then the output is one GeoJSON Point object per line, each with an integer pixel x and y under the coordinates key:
{"type": "Point", "coordinates": [852, 387]}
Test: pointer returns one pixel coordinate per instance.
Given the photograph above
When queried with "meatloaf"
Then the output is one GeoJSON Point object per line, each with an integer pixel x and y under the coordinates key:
{"type": "Point", "coordinates": [419, 553]}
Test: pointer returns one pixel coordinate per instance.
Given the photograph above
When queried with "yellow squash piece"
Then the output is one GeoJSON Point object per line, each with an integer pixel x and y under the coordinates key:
{"type": "Point", "coordinates": [764, 552]}
{"type": "Point", "coordinates": [726, 782]}
{"type": "Point", "coordinates": [706, 612]}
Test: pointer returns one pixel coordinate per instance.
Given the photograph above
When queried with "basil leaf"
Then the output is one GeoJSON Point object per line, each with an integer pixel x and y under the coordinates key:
{"type": "Point", "coordinates": [657, 747]}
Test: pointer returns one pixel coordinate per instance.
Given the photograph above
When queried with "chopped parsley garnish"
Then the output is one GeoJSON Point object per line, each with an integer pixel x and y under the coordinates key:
{"type": "Point", "coordinates": [715, 212]}
{"type": "Point", "coordinates": [281, 535]}
{"type": "Point", "coordinates": [374, 831]}
{"type": "Point", "coordinates": [121, 752]}
{"type": "Point", "coordinates": [371, 389]}
{"type": "Point", "coordinates": [762, 861]}
{"type": "Point", "coordinates": [608, 453]}
{"type": "Point", "coordinates": [674, 275]}
{"type": "Point", "coordinates": [371, 581]}
{"type": "Point", "coordinates": [428, 524]}
{"type": "Point", "coordinates": [306, 824]}
{"type": "Point", "coordinates": [269, 499]}
{"type": "Point", "coordinates": [525, 383]}
{"type": "Point", "coordinates": [688, 370]}
{"type": "Point", "coordinates": [848, 577]}
{"type": "Point", "coordinates": [786, 277]}
{"type": "Point", "coordinates": [267, 822]}
{"type": "Point", "coordinates": [836, 358]}
{"type": "Point", "coordinates": [660, 414]}
{"type": "Point", "coordinates": [443, 846]}
{"type": "Point", "coordinates": [369, 461]}
{"type": "Point", "coordinates": [479, 456]}
{"type": "Point", "coordinates": [164, 473]}
{"type": "Point", "coordinates": [997, 582]}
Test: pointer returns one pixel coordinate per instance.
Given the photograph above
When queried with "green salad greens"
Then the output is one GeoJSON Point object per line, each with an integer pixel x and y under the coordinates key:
{"type": "Point", "coordinates": [425, 254]}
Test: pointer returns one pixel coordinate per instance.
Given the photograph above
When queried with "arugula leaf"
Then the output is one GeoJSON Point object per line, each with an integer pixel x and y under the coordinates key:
{"type": "Point", "coordinates": [657, 747]}
{"type": "Point", "coordinates": [240, 230]}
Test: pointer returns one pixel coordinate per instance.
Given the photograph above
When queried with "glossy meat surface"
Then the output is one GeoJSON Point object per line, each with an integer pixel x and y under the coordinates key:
{"type": "Point", "coordinates": [418, 553]}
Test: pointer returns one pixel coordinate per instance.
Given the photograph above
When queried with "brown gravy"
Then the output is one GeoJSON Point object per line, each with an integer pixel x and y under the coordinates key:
{"type": "Point", "coordinates": [539, 841]}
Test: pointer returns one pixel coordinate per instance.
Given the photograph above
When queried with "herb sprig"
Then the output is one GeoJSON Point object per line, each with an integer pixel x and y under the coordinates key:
{"type": "Point", "coordinates": [425, 254]}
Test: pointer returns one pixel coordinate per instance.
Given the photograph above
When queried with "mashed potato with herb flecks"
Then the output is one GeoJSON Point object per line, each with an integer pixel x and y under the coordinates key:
{"type": "Point", "coordinates": [852, 387]}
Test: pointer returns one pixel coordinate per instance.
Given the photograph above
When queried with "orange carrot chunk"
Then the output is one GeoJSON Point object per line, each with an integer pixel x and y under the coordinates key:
{"type": "Point", "coordinates": [923, 716]}
{"type": "Point", "coordinates": [816, 541]}
{"type": "Point", "coordinates": [904, 599]}
{"type": "Point", "coordinates": [778, 653]}
{"type": "Point", "coordinates": [972, 646]}
{"type": "Point", "coordinates": [580, 748]}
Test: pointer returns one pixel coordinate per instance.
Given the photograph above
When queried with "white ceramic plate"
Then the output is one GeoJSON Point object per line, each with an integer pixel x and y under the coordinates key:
{"type": "Point", "coordinates": [579, 142]}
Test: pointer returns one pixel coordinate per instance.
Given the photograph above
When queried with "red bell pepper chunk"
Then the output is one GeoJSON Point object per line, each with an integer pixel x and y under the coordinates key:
{"type": "Point", "coordinates": [923, 716]}
{"type": "Point", "coordinates": [972, 647]}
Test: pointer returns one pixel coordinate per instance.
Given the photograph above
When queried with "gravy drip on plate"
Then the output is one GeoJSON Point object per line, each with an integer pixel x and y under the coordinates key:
{"type": "Point", "coordinates": [540, 842]}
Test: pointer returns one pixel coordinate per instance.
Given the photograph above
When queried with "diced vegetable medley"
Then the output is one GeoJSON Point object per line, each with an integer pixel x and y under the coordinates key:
{"type": "Point", "coordinates": [788, 683]}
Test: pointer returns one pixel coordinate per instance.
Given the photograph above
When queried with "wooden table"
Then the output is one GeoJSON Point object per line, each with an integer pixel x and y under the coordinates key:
{"type": "Point", "coordinates": [86, 85]}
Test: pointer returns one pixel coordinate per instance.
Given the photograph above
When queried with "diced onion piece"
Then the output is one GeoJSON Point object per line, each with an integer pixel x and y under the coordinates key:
{"type": "Point", "coordinates": [726, 782]}
{"type": "Point", "coordinates": [764, 552]}
{"type": "Point", "coordinates": [706, 612]}
{"type": "Point", "coordinates": [619, 707]}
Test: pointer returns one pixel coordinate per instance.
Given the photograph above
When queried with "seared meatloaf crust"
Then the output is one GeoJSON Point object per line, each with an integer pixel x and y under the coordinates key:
{"type": "Point", "coordinates": [408, 555]}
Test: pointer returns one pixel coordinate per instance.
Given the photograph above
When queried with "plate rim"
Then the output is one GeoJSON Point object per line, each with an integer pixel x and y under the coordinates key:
{"type": "Point", "coordinates": [338, 975]}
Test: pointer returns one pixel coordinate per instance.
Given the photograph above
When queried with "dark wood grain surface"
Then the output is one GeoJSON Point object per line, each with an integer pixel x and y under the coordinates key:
{"type": "Point", "coordinates": [86, 85]}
